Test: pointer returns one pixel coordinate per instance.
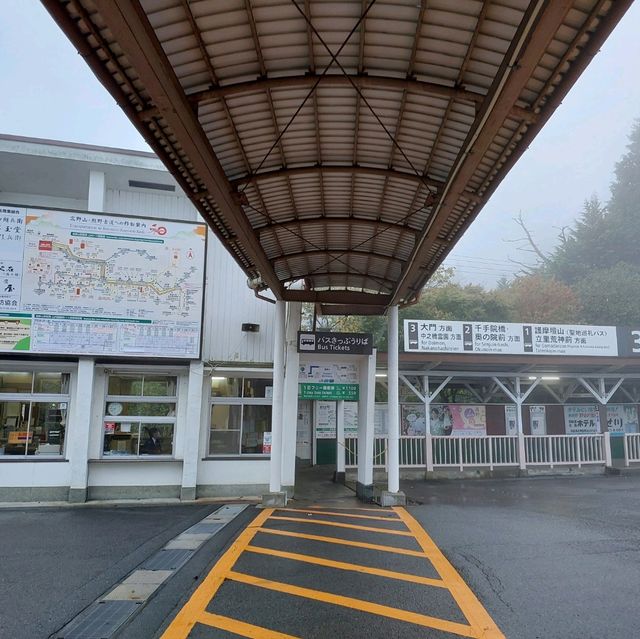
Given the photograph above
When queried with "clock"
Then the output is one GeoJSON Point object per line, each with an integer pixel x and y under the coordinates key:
{"type": "Point", "coordinates": [114, 408]}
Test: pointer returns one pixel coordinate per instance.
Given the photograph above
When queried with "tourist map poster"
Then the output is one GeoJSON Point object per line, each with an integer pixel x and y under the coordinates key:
{"type": "Point", "coordinates": [97, 284]}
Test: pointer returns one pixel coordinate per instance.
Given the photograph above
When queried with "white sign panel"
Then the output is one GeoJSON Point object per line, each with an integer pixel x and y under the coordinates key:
{"type": "Point", "coordinates": [581, 420]}
{"type": "Point", "coordinates": [538, 420]}
{"type": "Point", "coordinates": [511, 419]}
{"type": "Point", "coordinates": [445, 336]}
{"type": "Point", "coordinates": [323, 373]}
{"type": "Point", "coordinates": [97, 284]}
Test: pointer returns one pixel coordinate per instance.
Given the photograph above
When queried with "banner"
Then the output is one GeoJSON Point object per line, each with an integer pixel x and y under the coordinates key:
{"type": "Point", "coordinates": [97, 284]}
{"type": "Point", "coordinates": [581, 420]}
{"type": "Point", "coordinates": [622, 418]}
{"type": "Point", "coordinates": [511, 419]}
{"type": "Point", "coordinates": [445, 336]}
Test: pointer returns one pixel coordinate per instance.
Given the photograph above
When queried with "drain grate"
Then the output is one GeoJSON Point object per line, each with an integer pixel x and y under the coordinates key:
{"type": "Point", "coordinates": [100, 621]}
{"type": "Point", "coordinates": [167, 560]}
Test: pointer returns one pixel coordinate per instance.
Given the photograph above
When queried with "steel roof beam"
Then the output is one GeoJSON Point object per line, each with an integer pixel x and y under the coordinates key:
{"type": "Point", "coordinates": [337, 297]}
{"type": "Point", "coordinates": [330, 253]}
{"type": "Point", "coordinates": [337, 169]}
{"type": "Point", "coordinates": [364, 222]}
{"type": "Point", "coordinates": [134, 34]}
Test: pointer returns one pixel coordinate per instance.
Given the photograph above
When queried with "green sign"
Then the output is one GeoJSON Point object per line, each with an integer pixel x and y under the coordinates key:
{"type": "Point", "coordinates": [348, 392]}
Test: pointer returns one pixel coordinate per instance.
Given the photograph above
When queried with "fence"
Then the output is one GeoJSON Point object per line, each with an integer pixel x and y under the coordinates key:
{"type": "Point", "coordinates": [495, 451]}
{"type": "Point", "coordinates": [631, 448]}
{"type": "Point", "coordinates": [564, 450]}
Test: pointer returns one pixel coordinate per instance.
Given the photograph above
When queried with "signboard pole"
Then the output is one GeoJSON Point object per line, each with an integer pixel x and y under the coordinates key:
{"type": "Point", "coordinates": [393, 457]}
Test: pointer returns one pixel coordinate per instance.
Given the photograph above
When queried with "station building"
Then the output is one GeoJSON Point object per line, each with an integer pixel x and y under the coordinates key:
{"type": "Point", "coordinates": [181, 412]}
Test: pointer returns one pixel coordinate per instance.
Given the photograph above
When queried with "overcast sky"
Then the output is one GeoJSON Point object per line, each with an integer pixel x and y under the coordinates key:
{"type": "Point", "coordinates": [48, 92]}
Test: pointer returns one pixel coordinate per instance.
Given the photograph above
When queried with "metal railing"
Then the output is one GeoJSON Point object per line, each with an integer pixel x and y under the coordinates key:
{"type": "Point", "coordinates": [496, 451]}
{"type": "Point", "coordinates": [467, 452]}
{"type": "Point", "coordinates": [631, 448]}
{"type": "Point", "coordinates": [564, 450]}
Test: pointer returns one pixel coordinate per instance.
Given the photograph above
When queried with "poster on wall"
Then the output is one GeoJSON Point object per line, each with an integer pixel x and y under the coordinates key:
{"type": "Point", "coordinates": [98, 284]}
{"type": "Point", "coordinates": [458, 420]}
{"type": "Point", "coordinates": [326, 419]}
{"type": "Point", "coordinates": [412, 421]}
{"type": "Point", "coordinates": [622, 418]}
{"type": "Point", "coordinates": [538, 420]}
{"type": "Point", "coordinates": [511, 419]}
{"type": "Point", "coordinates": [380, 420]}
{"type": "Point", "coordinates": [581, 420]}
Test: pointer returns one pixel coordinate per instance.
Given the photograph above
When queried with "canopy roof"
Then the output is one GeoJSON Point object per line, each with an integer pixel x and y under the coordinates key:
{"type": "Point", "coordinates": [346, 144]}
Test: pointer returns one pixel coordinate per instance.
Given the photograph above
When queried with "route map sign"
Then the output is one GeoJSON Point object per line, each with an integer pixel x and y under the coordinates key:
{"type": "Point", "coordinates": [97, 284]}
{"type": "Point", "coordinates": [447, 336]}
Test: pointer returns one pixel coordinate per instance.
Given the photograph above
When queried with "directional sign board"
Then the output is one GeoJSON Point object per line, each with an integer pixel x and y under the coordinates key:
{"type": "Point", "coordinates": [335, 343]}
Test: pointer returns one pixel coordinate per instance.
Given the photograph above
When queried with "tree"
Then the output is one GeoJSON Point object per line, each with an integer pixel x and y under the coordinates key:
{"type": "Point", "coordinates": [611, 296]}
{"type": "Point", "coordinates": [538, 298]}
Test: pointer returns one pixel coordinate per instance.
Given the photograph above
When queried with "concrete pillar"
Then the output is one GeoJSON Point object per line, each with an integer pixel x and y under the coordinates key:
{"type": "Point", "coordinates": [290, 399]}
{"type": "Point", "coordinates": [276, 497]}
{"type": "Point", "coordinates": [97, 191]}
{"type": "Point", "coordinates": [77, 437]}
{"type": "Point", "coordinates": [340, 443]}
{"type": "Point", "coordinates": [364, 484]}
{"type": "Point", "coordinates": [193, 419]}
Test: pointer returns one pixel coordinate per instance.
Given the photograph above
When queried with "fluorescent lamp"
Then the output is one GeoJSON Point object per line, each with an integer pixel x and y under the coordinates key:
{"type": "Point", "coordinates": [381, 374]}
{"type": "Point", "coordinates": [545, 377]}
{"type": "Point", "coordinates": [218, 379]}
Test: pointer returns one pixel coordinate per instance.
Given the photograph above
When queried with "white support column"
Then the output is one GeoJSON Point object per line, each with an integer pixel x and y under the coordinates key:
{"type": "Point", "coordinates": [78, 434]}
{"type": "Point", "coordinates": [522, 458]}
{"type": "Point", "coordinates": [290, 399]}
{"type": "Point", "coordinates": [427, 422]}
{"type": "Point", "coordinates": [192, 427]}
{"type": "Point", "coordinates": [276, 497]}
{"type": "Point", "coordinates": [340, 443]}
{"type": "Point", "coordinates": [393, 453]}
{"type": "Point", "coordinates": [97, 191]}
{"type": "Point", "coordinates": [364, 484]}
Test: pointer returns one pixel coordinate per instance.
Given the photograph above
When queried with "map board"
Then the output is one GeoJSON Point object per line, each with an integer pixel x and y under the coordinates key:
{"type": "Point", "coordinates": [97, 284]}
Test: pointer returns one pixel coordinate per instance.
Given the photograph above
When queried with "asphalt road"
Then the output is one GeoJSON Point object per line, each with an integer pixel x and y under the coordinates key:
{"type": "Point", "coordinates": [548, 558]}
{"type": "Point", "coordinates": [56, 561]}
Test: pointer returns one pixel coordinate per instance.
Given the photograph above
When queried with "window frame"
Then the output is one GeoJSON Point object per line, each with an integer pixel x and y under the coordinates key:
{"type": "Point", "coordinates": [140, 420]}
{"type": "Point", "coordinates": [34, 397]}
{"type": "Point", "coordinates": [242, 402]}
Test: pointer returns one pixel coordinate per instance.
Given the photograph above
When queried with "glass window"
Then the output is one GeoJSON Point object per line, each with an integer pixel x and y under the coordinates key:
{"type": "Point", "coordinates": [139, 426]}
{"type": "Point", "coordinates": [15, 382]}
{"type": "Point", "coordinates": [225, 386]}
{"type": "Point", "coordinates": [256, 387]}
{"type": "Point", "coordinates": [51, 383]}
{"type": "Point", "coordinates": [224, 437]}
{"type": "Point", "coordinates": [256, 421]}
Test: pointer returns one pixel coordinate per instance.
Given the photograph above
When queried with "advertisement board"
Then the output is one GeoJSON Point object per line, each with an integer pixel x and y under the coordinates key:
{"type": "Point", "coordinates": [538, 420]}
{"type": "Point", "coordinates": [322, 381]}
{"type": "Point", "coordinates": [98, 284]}
{"type": "Point", "coordinates": [503, 338]}
{"type": "Point", "coordinates": [622, 418]}
{"type": "Point", "coordinates": [581, 420]}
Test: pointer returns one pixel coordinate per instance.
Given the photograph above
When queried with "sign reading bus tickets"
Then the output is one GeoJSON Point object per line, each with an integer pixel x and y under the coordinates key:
{"type": "Point", "coordinates": [96, 284]}
{"type": "Point", "coordinates": [444, 336]}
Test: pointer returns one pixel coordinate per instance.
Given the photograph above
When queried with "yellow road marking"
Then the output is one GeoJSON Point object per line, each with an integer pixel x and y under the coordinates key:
{"type": "Point", "coordinates": [357, 604]}
{"type": "Point", "coordinates": [337, 514]}
{"type": "Point", "coordinates": [330, 563]}
{"type": "Point", "coordinates": [468, 602]}
{"type": "Point", "coordinates": [365, 510]}
{"type": "Point", "coordinates": [344, 542]}
{"type": "Point", "coordinates": [240, 627]}
{"type": "Point", "coordinates": [184, 621]}
{"type": "Point", "coordinates": [322, 522]}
